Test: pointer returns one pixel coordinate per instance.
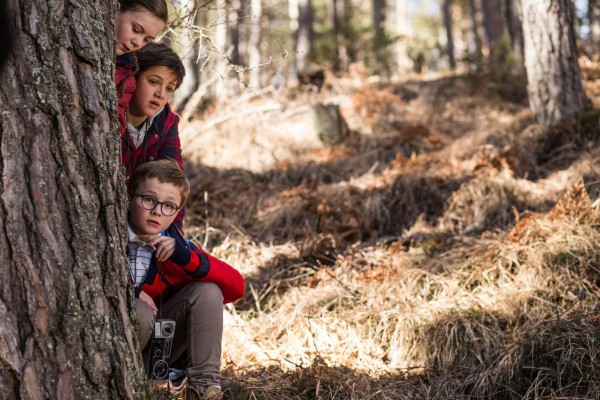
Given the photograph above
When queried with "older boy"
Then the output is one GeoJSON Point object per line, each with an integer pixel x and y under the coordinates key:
{"type": "Point", "coordinates": [151, 131]}
{"type": "Point", "coordinates": [175, 279]}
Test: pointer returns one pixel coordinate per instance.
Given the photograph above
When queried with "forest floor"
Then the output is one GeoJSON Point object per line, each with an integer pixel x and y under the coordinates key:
{"type": "Point", "coordinates": [447, 248]}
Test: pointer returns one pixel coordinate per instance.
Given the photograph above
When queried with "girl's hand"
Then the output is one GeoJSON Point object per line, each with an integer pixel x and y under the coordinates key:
{"type": "Point", "coordinates": [145, 297]}
{"type": "Point", "coordinates": [165, 247]}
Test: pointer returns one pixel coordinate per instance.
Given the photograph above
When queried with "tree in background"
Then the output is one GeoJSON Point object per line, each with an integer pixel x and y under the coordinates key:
{"type": "Point", "coordinates": [305, 34]}
{"type": "Point", "coordinates": [235, 33]}
{"type": "Point", "coordinates": [379, 14]}
{"type": "Point", "coordinates": [186, 43]}
{"type": "Point", "coordinates": [477, 54]}
{"type": "Point", "coordinates": [515, 30]}
{"type": "Point", "coordinates": [493, 25]}
{"type": "Point", "coordinates": [593, 15]}
{"type": "Point", "coordinates": [449, 37]}
{"type": "Point", "coordinates": [555, 90]}
{"type": "Point", "coordinates": [339, 19]}
{"type": "Point", "coordinates": [403, 30]}
{"type": "Point", "coordinates": [66, 332]}
{"type": "Point", "coordinates": [254, 44]}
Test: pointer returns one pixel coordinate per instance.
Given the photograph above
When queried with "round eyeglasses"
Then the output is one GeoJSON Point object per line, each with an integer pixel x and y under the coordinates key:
{"type": "Point", "coordinates": [168, 208]}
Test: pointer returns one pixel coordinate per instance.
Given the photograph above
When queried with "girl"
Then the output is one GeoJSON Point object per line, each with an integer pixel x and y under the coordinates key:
{"type": "Point", "coordinates": [138, 23]}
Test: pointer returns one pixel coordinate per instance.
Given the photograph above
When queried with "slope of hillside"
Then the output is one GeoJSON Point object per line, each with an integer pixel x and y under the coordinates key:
{"type": "Point", "coordinates": [447, 248]}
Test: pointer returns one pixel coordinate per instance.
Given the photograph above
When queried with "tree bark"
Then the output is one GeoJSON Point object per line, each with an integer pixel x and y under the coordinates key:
{"type": "Point", "coordinates": [449, 36]}
{"type": "Point", "coordinates": [555, 90]}
{"type": "Point", "coordinates": [66, 332]}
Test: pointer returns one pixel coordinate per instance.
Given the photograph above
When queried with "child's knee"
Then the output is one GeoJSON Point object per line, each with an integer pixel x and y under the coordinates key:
{"type": "Point", "coordinates": [146, 321]}
{"type": "Point", "coordinates": [208, 293]}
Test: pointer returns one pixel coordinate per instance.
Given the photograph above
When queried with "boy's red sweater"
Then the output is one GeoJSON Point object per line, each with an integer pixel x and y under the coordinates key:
{"type": "Point", "coordinates": [189, 263]}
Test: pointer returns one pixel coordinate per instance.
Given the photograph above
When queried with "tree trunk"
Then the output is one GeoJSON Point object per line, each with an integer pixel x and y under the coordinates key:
{"type": "Point", "coordinates": [593, 15]}
{"type": "Point", "coordinates": [476, 37]}
{"type": "Point", "coordinates": [515, 30]}
{"type": "Point", "coordinates": [555, 89]}
{"type": "Point", "coordinates": [188, 39]}
{"type": "Point", "coordinates": [404, 33]}
{"type": "Point", "coordinates": [379, 45]}
{"type": "Point", "coordinates": [220, 43]}
{"type": "Point", "coordinates": [449, 37]}
{"type": "Point", "coordinates": [337, 20]}
{"type": "Point", "coordinates": [254, 44]}
{"type": "Point", "coordinates": [305, 35]}
{"type": "Point", "coordinates": [493, 24]}
{"type": "Point", "coordinates": [379, 19]}
{"type": "Point", "coordinates": [66, 332]}
{"type": "Point", "coordinates": [235, 14]}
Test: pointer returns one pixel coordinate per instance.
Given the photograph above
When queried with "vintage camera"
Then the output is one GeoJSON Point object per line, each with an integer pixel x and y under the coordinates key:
{"type": "Point", "coordinates": [160, 349]}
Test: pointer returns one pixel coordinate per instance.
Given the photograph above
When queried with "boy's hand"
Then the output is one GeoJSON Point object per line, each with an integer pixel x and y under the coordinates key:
{"type": "Point", "coordinates": [165, 247]}
{"type": "Point", "coordinates": [145, 297]}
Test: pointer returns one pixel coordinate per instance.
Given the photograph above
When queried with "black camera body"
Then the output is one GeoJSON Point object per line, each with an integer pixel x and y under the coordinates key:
{"type": "Point", "coordinates": [160, 349]}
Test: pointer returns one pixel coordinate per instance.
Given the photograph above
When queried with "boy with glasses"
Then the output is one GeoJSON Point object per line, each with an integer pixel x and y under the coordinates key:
{"type": "Point", "coordinates": [175, 279]}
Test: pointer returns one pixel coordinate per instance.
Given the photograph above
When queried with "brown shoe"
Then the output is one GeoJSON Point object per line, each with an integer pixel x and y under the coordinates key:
{"type": "Point", "coordinates": [203, 393]}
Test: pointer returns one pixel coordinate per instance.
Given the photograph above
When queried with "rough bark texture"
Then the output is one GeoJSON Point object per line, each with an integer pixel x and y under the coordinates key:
{"type": "Point", "coordinates": [66, 332]}
{"type": "Point", "coordinates": [555, 90]}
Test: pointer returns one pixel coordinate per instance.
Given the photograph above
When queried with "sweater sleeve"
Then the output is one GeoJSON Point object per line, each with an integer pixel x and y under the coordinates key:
{"type": "Point", "coordinates": [201, 266]}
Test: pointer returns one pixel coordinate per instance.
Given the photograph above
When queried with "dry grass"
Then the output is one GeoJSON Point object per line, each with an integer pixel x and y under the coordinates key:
{"type": "Point", "coordinates": [449, 249]}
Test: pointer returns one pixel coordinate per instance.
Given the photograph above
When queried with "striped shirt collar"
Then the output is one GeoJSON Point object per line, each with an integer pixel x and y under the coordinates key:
{"type": "Point", "coordinates": [138, 135]}
{"type": "Point", "coordinates": [132, 237]}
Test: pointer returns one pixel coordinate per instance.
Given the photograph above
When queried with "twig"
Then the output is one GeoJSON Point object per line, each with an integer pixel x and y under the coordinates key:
{"type": "Point", "coordinates": [264, 108]}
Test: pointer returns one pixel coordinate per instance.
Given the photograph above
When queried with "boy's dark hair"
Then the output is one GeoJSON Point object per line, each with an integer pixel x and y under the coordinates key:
{"type": "Point", "coordinates": [158, 8]}
{"type": "Point", "coordinates": [165, 171]}
{"type": "Point", "coordinates": [160, 55]}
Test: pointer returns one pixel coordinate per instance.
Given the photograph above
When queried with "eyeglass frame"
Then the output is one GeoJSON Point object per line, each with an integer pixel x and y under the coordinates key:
{"type": "Point", "coordinates": [157, 203]}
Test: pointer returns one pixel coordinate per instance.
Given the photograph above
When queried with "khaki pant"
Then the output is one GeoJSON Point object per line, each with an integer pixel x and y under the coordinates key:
{"type": "Point", "coordinates": [198, 313]}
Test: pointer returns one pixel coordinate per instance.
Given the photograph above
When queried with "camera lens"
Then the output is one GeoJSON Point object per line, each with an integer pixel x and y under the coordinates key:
{"type": "Point", "coordinates": [168, 329]}
{"type": "Point", "coordinates": [160, 370]}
